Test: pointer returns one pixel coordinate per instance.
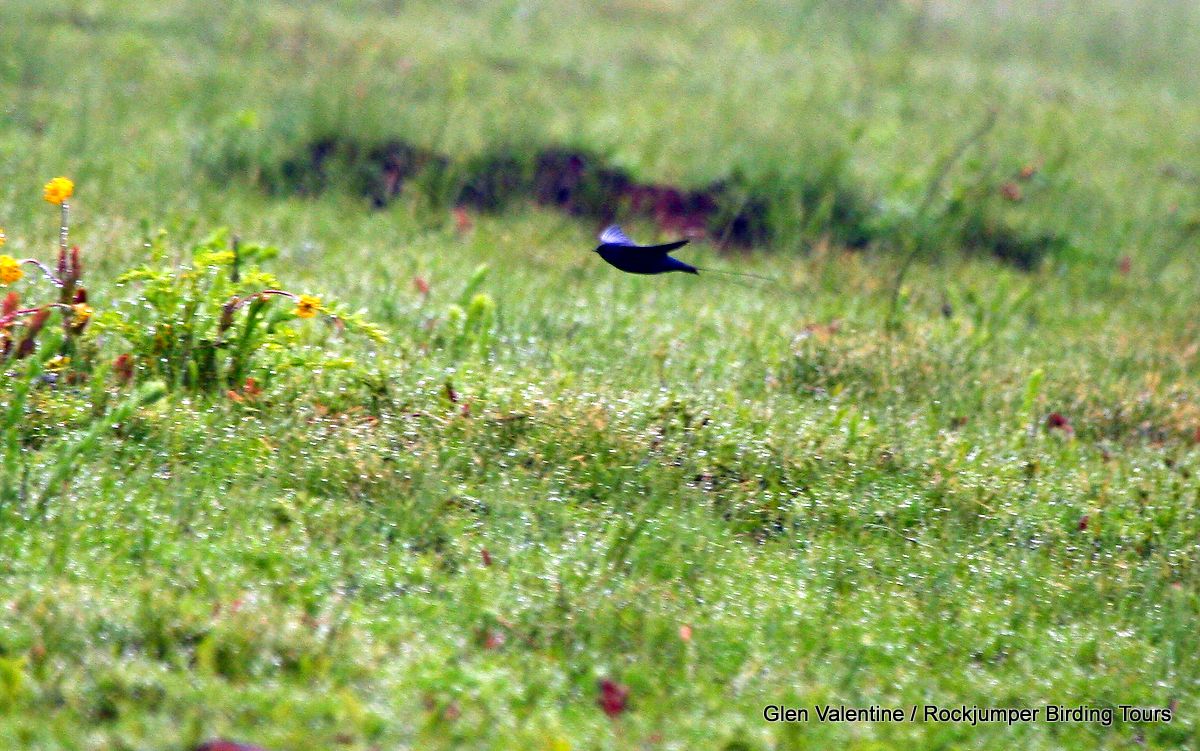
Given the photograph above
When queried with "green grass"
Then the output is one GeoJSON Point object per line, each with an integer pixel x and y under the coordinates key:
{"type": "Point", "coordinates": [841, 511]}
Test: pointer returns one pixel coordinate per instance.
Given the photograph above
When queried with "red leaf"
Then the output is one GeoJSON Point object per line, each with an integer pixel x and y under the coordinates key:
{"type": "Point", "coordinates": [614, 697]}
{"type": "Point", "coordinates": [32, 328]}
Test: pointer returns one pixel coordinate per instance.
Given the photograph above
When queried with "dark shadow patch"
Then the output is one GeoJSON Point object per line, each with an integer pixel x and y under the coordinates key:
{"type": "Point", "coordinates": [1022, 249]}
{"type": "Point", "coordinates": [733, 212]}
{"type": "Point", "coordinates": [387, 167]}
{"type": "Point", "coordinates": [306, 173]}
{"type": "Point", "coordinates": [492, 181]}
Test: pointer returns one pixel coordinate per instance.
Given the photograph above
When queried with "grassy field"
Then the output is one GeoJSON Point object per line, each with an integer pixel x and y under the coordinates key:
{"type": "Point", "coordinates": [538, 475]}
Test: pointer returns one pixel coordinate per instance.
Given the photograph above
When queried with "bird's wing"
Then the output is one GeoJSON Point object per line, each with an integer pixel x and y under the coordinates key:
{"type": "Point", "coordinates": [612, 235]}
{"type": "Point", "coordinates": [665, 247]}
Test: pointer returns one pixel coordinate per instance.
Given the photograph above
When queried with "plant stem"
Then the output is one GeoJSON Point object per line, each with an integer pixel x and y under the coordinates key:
{"type": "Point", "coordinates": [49, 275]}
{"type": "Point", "coordinates": [62, 228]}
{"type": "Point", "coordinates": [931, 194]}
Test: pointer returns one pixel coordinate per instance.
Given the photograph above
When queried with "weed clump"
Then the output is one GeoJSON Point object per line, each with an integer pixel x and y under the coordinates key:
{"type": "Point", "coordinates": [204, 326]}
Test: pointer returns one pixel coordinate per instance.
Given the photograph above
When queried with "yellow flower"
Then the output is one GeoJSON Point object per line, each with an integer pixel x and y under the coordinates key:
{"type": "Point", "coordinates": [82, 312]}
{"type": "Point", "coordinates": [57, 363]}
{"type": "Point", "coordinates": [58, 190]}
{"type": "Point", "coordinates": [3, 239]}
{"type": "Point", "coordinates": [307, 306]}
{"type": "Point", "coordinates": [10, 270]}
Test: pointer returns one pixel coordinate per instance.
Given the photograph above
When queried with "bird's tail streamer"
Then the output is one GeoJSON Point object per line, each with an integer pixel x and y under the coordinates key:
{"type": "Point", "coordinates": [743, 274]}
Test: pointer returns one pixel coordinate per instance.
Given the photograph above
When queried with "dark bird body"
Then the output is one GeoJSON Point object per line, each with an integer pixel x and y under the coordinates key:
{"type": "Point", "coordinates": [616, 248]}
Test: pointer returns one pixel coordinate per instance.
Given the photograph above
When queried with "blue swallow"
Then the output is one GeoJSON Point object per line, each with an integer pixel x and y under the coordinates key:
{"type": "Point", "coordinates": [616, 248]}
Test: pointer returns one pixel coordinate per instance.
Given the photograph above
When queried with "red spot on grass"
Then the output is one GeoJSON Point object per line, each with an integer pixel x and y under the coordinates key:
{"type": "Point", "coordinates": [1011, 191]}
{"type": "Point", "coordinates": [614, 697]}
{"type": "Point", "coordinates": [685, 632]}
{"type": "Point", "coordinates": [486, 556]}
{"type": "Point", "coordinates": [123, 367]}
{"type": "Point", "coordinates": [462, 220]}
{"type": "Point", "coordinates": [493, 639]}
{"type": "Point", "coordinates": [1125, 265]}
{"type": "Point", "coordinates": [422, 285]}
{"type": "Point", "coordinates": [1058, 421]}
{"type": "Point", "coordinates": [1083, 522]}
{"type": "Point", "coordinates": [249, 392]}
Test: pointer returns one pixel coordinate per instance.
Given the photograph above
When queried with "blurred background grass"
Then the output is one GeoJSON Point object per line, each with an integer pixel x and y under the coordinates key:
{"type": "Point", "coordinates": [161, 106]}
{"type": "Point", "coordinates": [840, 512]}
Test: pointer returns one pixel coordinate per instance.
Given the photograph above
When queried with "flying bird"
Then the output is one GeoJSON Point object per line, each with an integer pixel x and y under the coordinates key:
{"type": "Point", "coordinates": [626, 255]}
{"type": "Point", "coordinates": [618, 250]}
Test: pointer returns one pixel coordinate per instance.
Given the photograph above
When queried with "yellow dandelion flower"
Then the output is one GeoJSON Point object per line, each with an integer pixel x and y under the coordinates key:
{"type": "Point", "coordinates": [10, 270]}
{"type": "Point", "coordinates": [82, 312]}
{"type": "Point", "coordinates": [58, 190]}
{"type": "Point", "coordinates": [57, 363]}
{"type": "Point", "coordinates": [307, 306]}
